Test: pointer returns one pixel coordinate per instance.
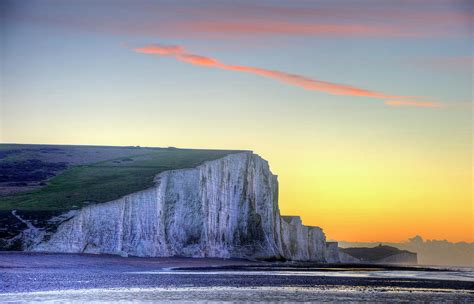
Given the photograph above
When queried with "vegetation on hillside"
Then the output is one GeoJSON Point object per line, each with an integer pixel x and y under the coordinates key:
{"type": "Point", "coordinates": [106, 180]}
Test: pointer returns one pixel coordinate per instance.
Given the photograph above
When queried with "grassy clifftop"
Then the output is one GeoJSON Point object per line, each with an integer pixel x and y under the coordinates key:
{"type": "Point", "coordinates": [90, 176]}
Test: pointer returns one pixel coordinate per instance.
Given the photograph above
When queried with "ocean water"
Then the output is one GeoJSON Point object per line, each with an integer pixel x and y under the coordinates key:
{"type": "Point", "coordinates": [450, 274]}
{"type": "Point", "coordinates": [268, 294]}
{"type": "Point", "coordinates": [197, 288]}
{"type": "Point", "coordinates": [55, 278]}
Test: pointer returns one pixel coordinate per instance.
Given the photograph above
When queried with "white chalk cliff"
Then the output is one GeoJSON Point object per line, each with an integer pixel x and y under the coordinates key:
{"type": "Point", "coordinates": [223, 208]}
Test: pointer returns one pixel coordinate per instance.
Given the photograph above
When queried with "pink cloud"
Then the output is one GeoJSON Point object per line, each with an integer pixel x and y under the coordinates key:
{"type": "Point", "coordinates": [413, 103]}
{"type": "Point", "coordinates": [220, 28]}
{"type": "Point", "coordinates": [304, 82]}
{"type": "Point", "coordinates": [198, 60]}
{"type": "Point", "coordinates": [331, 19]}
{"type": "Point", "coordinates": [386, 12]}
{"type": "Point", "coordinates": [228, 21]}
{"type": "Point", "coordinates": [161, 49]}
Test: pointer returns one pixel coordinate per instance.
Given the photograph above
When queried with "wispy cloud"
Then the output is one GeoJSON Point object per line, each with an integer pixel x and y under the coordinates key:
{"type": "Point", "coordinates": [307, 83]}
{"type": "Point", "coordinates": [330, 19]}
{"type": "Point", "coordinates": [414, 103]}
{"type": "Point", "coordinates": [205, 19]}
{"type": "Point", "coordinates": [227, 29]}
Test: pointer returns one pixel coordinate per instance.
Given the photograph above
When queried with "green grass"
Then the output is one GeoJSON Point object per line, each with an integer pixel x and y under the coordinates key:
{"type": "Point", "coordinates": [105, 181]}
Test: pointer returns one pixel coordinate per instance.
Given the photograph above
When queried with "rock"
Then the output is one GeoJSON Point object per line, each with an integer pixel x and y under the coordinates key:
{"type": "Point", "coordinates": [302, 243]}
{"type": "Point", "coordinates": [348, 259]}
{"type": "Point", "coordinates": [381, 254]}
{"type": "Point", "coordinates": [223, 208]}
{"type": "Point", "coordinates": [332, 252]}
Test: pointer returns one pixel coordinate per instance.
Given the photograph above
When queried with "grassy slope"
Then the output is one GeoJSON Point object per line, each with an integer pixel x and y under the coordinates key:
{"type": "Point", "coordinates": [106, 180]}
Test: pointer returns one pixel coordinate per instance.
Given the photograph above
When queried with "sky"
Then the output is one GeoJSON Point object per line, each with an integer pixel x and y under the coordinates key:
{"type": "Point", "coordinates": [362, 108]}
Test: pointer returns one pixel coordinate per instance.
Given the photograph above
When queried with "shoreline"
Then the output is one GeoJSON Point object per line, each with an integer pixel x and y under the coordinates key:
{"type": "Point", "coordinates": [193, 263]}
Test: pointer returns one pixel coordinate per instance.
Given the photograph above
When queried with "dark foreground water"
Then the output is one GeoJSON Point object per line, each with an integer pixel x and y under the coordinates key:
{"type": "Point", "coordinates": [87, 278]}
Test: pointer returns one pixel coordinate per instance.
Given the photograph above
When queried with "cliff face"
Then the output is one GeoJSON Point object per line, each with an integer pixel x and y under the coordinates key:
{"type": "Point", "coordinates": [302, 243]}
{"type": "Point", "coordinates": [222, 208]}
{"type": "Point", "coordinates": [332, 252]}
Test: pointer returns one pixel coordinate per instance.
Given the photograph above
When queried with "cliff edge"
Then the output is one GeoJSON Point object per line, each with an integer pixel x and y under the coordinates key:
{"type": "Point", "coordinates": [225, 208]}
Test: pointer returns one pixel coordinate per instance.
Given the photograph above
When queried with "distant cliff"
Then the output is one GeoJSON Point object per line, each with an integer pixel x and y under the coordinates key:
{"type": "Point", "coordinates": [226, 207]}
{"type": "Point", "coordinates": [377, 255]}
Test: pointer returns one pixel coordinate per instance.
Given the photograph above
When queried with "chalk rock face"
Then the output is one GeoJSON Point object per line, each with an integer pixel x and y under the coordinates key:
{"type": "Point", "coordinates": [332, 252]}
{"type": "Point", "coordinates": [302, 243]}
{"type": "Point", "coordinates": [222, 208]}
{"type": "Point", "coordinates": [346, 258]}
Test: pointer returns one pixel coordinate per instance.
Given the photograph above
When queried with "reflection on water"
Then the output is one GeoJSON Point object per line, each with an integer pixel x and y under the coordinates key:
{"type": "Point", "coordinates": [458, 275]}
{"type": "Point", "coordinates": [198, 286]}
{"type": "Point", "coordinates": [243, 295]}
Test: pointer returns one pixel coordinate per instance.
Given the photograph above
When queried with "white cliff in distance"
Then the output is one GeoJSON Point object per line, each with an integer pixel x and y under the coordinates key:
{"type": "Point", "coordinates": [223, 208]}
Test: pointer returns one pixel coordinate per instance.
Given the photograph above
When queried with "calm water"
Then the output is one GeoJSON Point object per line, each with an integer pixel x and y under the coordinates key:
{"type": "Point", "coordinates": [52, 278]}
{"type": "Point", "coordinates": [188, 293]}
{"type": "Point", "coordinates": [285, 294]}
{"type": "Point", "coordinates": [458, 274]}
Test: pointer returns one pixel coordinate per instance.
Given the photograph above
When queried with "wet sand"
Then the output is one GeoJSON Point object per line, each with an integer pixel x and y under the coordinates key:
{"type": "Point", "coordinates": [73, 277]}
